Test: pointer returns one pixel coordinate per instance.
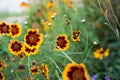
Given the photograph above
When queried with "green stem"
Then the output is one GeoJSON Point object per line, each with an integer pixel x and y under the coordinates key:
{"type": "Point", "coordinates": [29, 67]}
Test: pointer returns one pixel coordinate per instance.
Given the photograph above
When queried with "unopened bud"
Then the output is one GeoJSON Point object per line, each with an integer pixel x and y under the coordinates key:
{"type": "Point", "coordinates": [67, 22]}
{"type": "Point", "coordinates": [83, 20]}
{"type": "Point", "coordinates": [95, 43]}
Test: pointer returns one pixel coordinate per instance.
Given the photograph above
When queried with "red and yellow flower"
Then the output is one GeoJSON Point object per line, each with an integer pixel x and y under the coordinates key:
{"type": "Point", "coordinates": [45, 70]}
{"type": "Point", "coordinates": [29, 51]}
{"type": "Point", "coordinates": [75, 36]}
{"type": "Point", "coordinates": [33, 39]}
{"type": "Point", "coordinates": [35, 70]}
{"type": "Point", "coordinates": [2, 65]}
{"type": "Point", "coordinates": [4, 29]}
{"type": "Point", "coordinates": [15, 30]}
{"type": "Point", "coordinates": [16, 47]}
{"type": "Point", "coordinates": [100, 53]}
{"type": "Point", "coordinates": [62, 42]}
{"type": "Point", "coordinates": [2, 77]}
{"type": "Point", "coordinates": [74, 71]}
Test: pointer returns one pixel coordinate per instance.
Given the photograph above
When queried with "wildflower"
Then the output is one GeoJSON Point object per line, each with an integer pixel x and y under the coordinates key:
{"type": "Point", "coordinates": [62, 42]}
{"type": "Point", "coordinates": [50, 14]}
{"type": "Point", "coordinates": [22, 55]}
{"type": "Point", "coordinates": [34, 70]}
{"type": "Point", "coordinates": [44, 24]}
{"type": "Point", "coordinates": [93, 77]}
{"type": "Point", "coordinates": [2, 77]}
{"type": "Point", "coordinates": [74, 71]}
{"type": "Point", "coordinates": [15, 47]}
{"type": "Point", "coordinates": [24, 5]}
{"type": "Point", "coordinates": [100, 53]}
{"type": "Point", "coordinates": [2, 65]}
{"type": "Point", "coordinates": [29, 51]}
{"type": "Point", "coordinates": [30, 79]}
{"type": "Point", "coordinates": [75, 36]}
{"type": "Point", "coordinates": [21, 67]}
{"type": "Point", "coordinates": [4, 29]}
{"type": "Point", "coordinates": [45, 70]}
{"type": "Point", "coordinates": [107, 78]}
{"type": "Point", "coordinates": [50, 4]}
{"type": "Point", "coordinates": [15, 30]}
{"type": "Point", "coordinates": [69, 3]}
{"type": "Point", "coordinates": [33, 39]}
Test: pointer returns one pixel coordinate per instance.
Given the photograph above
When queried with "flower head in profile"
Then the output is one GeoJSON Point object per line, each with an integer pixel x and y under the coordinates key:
{"type": "Point", "coordinates": [2, 65]}
{"type": "Point", "coordinates": [15, 47]}
{"type": "Point", "coordinates": [45, 70]}
{"type": "Point", "coordinates": [50, 4]}
{"type": "Point", "coordinates": [62, 42]}
{"type": "Point", "coordinates": [4, 29]}
{"type": "Point", "coordinates": [15, 30]}
{"type": "Point", "coordinates": [33, 39]}
{"type": "Point", "coordinates": [2, 77]}
{"type": "Point", "coordinates": [100, 53]}
{"type": "Point", "coordinates": [74, 71]}
{"type": "Point", "coordinates": [21, 67]}
{"type": "Point", "coordinates": [75, 36]}
{"type": "Point", "coordinates": [35, 70]}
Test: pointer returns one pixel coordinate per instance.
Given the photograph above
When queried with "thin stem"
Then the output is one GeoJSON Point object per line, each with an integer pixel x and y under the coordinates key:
{"type": "Point", "coordinates": [29, 67]}
{"type": "Point", "coordinates": [66, 55]}
{"type": "Point", "coordinates": [55, 64]}
{"type": "Point", "coordinates": [88, 54]}
{"type": "Point", "coordinates": [113, 13]}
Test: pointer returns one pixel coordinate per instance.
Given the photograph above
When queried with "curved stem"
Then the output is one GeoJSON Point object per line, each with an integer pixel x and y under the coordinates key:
{"type": "Point", "coordinates": [55, 64]}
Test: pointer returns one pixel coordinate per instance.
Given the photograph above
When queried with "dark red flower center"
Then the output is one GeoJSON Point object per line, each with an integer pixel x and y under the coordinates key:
{"type": "Point", "coordinates": [32, 38]}
{"type": "Point", "coordinates": [1, 76]}
{"type": "Point", "coordinates": [76, 74]}
{"type": "Point", "coordinates": [61, 42]}
{"type": "Point", "coordinates": [14, 29]}
{"type": "Point", "coordinates": [16, 46]}
{"type": "Point", "coordinates": [4, 28]}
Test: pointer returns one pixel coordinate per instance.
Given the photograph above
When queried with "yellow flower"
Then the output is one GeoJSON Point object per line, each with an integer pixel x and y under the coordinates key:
{"type": "Point", "coordinates": [15, 30]}
{"type": "Point", "coordinates": [100, 53]}
{"type": "Point", "coordinates": [75, 36]}
{"type": "Point", "coordinates": [34, 70]}
{"type": "Point", "coordinates": [44, 24]}
{"type": "Point", "coordinates": [62, 42]}
{"type": "Point", "coordinates": [15, 47]}
{"type": "Point", "coordinates": [2, 77]}
{"type": "Point", "coordinates": [33, 39]}
{"type": "Point", "coordinates": [25, 5]}
{"type": "Point", "coordinates": [30, 79]}
{"type": "Point", "coordinates": [50, 4]}
{"type": "Point", "coordinates": [74, 71]}
{"type": "Point", "coordinates": [51, 14]}
{"type": "Point", "coordinates": [45, 70]}
{"type": "Point", "coordinates": [69, 3]}
{"type": "Point", "coordinates": [4, 29]}
{"type": "Point", "coordinates": [2, 65]}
